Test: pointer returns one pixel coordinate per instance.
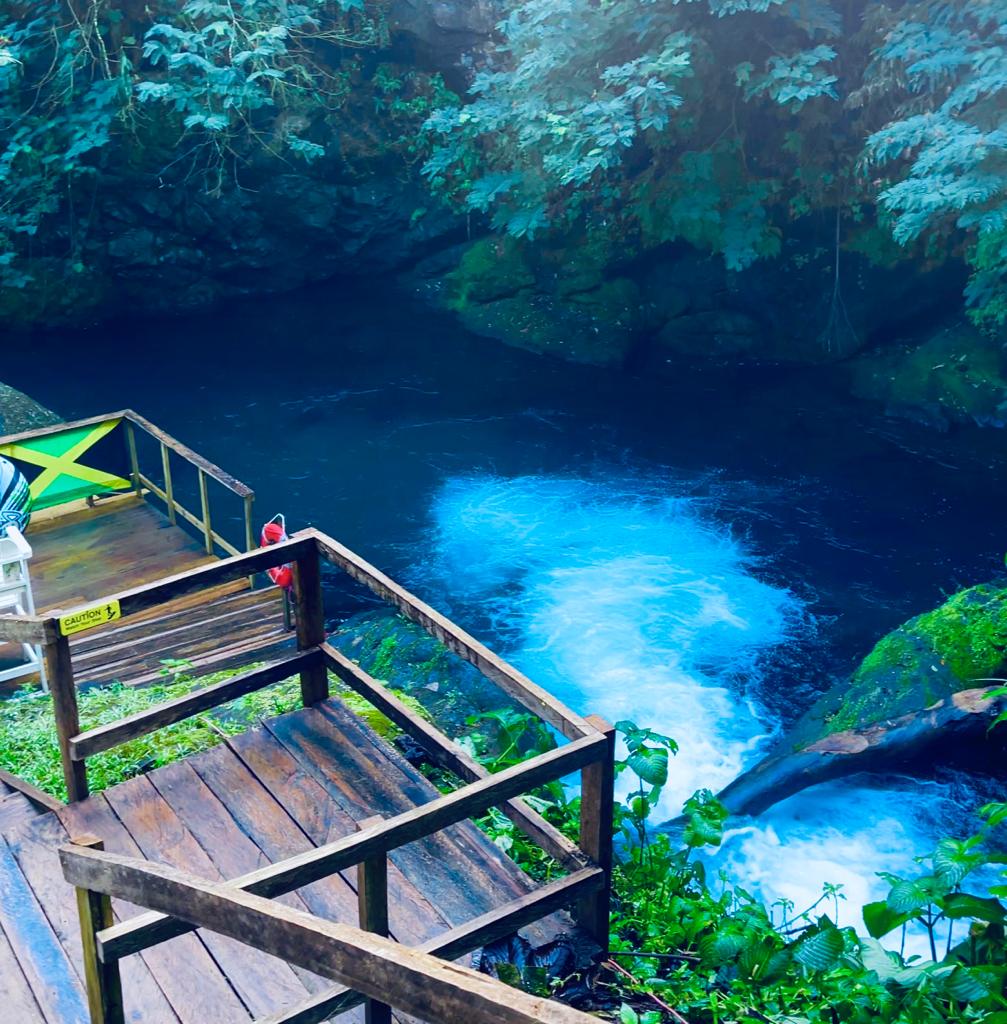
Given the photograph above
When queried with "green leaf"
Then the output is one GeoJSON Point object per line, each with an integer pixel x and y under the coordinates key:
{"type": "Point", "coordinates": [650, 764]}
{"type": "Point", "coordinates": [980, 908]}
{"type": "Point", "coordinates": [822, 949]}
{"type": "Point", "coordinates": [880, 919]}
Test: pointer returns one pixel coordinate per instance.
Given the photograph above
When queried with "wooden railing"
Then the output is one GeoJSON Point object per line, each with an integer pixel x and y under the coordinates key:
{"type": "Point", "coordinates": [589, 750]}
{"type": "Point", "coordinates": [141, 476]}
{"type": "Point", "coordinates": [361, 960]}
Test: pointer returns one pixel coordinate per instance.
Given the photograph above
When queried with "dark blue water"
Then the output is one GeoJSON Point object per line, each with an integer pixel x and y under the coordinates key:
{"type": "Point", "coordinates": [702, 553]}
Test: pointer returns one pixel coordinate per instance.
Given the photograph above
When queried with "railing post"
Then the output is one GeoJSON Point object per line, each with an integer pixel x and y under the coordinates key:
{"type": "Point", "coordinates": [169, 489]}
{"type": "Point", "coordinates": [372, 899]}
{"type": "Point", "coordinates": [204, 498]}
{"type": "Point", "coordinates": [311, 624]}
{"type": "Point", "coordinates": [134, 462]}
{"type": "Point", "coordinates": [249, 529]}
{"type": "Point", "coordinates": [104, 983]}
{"type": "Point", "coordinates": [597, 795]}
{"type": "Point", "coordinates": [59, 671]}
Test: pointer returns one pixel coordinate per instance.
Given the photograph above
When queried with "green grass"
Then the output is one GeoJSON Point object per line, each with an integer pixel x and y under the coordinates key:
{"type": "Point", "coordinates": [29, 749]}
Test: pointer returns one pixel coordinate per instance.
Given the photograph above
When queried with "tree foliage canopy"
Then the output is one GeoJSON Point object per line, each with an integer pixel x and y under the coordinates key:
{"type": "Point", "coordinates": [720, 121]}
{"type": "Point", "coordinates": [180, 95]}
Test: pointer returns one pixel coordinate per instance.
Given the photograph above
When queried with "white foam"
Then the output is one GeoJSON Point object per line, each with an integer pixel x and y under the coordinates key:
{"type": "Point", "coordinates": [627, 600]}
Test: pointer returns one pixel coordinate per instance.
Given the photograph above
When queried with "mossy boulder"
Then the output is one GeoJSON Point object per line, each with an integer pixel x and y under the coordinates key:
{"type": "Point", "coordinates": [957, 376]}
{"type": "Point", "coordinates": [927, 694]}
{"type": "Point", "coordinates": [492, 268]}
{"type": "Point", "coordinates": [402, 654]}
{"type": "Point", "coordinates": [506, 289]}
{"type": "Point", "coordinates": [953, 648]}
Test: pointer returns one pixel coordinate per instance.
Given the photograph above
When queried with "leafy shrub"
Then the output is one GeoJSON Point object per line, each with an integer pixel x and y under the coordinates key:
{"type": "Point", "coordinates": [686, 948]}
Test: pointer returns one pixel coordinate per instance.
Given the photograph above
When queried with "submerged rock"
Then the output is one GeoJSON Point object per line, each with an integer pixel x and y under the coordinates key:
{"type": "Point", "coordinates": [18, 412]}
{"type": "Point", "coordinates": [927, 693]}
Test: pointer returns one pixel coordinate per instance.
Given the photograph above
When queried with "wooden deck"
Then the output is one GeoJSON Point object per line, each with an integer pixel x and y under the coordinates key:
{"type": "Point", "coordinates": [123, 542]}
{"type": "Point", "coordinates": [297, 782]}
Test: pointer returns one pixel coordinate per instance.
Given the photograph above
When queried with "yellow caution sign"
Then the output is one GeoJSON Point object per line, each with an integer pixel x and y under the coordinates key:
{"type": "Point", "coordinates": [77, 622]}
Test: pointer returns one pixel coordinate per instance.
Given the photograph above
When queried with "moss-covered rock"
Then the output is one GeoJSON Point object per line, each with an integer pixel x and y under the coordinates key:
{"type": "Point", "coordinates": [956, 376]}
{"type": "Point", "coordinates": [540, 300]}
{"type": "Point", "coordinates": [927, 694]}
{"type": "Point", "coordinates": [926, 660]}
{"type": "Point", "coordinates": [400, 653]}
{"type": "Point", "coordinates": [492, 268]}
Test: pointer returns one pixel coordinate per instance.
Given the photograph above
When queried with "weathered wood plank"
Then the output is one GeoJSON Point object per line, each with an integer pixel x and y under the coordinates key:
{"type": "Point", "coordinates": [262, 984]}
{"type": "Point", "coordinates": [320, 820]}
{"type": "Point", "coordinates": [487, 870]}
{"type": "Point", "coordinates": [26, 629]}
{"type": "Point", "coordinates": [33, 793]}
{"type": "Point", "coordinates": [497, 924]}
{"type": "Point", "coordinates": [189, 977]}
{"type": "Point", "coordinates": [35, 849]}
{"type": "Point", "coordinates": [144, 722]}
{"type": "Point", "coordinates": [379, 968]}
{"type": "Point", "coordinates": [137, 599]}
{"type": "Point", "coordinates": [210, 823]}
{"type": "Point", "coordinates": [44, 962]}
{"type": "Point", "coordinates": [450, 756]}
{"type": "Point", "coordinates": [102, 550]}
{"type": "Point", "coordinates": [519, 686]}
{"type": "Point", "coordinates": [450, 866]}
{"type": "Point", "coordinates": [389, 835]}
{"type": "Point", "coordinates": [15, 993]}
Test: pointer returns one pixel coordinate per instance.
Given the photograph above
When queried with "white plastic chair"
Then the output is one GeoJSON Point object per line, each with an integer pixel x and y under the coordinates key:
{"type": "Point", "coordinates": [16, 598]}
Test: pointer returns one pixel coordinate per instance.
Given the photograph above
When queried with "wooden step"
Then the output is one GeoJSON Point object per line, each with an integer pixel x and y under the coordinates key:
{"type": "Point", "coordinates": [16, 810]}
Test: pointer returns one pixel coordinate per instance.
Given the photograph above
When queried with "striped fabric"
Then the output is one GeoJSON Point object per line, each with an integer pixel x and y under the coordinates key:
{"type": "Point", "coordinates": [15, 497]}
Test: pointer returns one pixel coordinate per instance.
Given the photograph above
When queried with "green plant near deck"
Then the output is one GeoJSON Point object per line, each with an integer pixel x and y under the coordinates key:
{"type": "Point", "coordinates": [690, 948]}
{"type": "Point", "coordinates": [29, 748]}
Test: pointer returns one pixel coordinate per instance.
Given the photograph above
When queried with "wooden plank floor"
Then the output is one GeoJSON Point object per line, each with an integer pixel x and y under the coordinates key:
{"type": "Point", "coordinates": [293, 783]}
{"type": "Point", "coordinates": [126, 542]}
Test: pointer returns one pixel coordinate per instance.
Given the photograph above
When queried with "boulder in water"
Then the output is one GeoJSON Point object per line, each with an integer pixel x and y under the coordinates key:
{"type": "Point", "coordinates": [926, 694]}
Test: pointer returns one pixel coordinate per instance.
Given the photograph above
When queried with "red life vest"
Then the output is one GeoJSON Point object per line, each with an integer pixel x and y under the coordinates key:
{"type": "Point", "coordinates": [274, 532]}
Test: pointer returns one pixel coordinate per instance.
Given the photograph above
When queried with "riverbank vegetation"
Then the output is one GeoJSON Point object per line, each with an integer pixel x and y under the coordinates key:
{"type": "Point", "coordinates": [725, 124]}
{"type": "Point", "coordinates": [686, 946]}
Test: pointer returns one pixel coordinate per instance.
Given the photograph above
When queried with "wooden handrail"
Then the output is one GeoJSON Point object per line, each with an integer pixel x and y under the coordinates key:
{"type": "Point", "coordinates": [59, 428]}
{"type": "Point", "coordinates": [450, 756]}
{"type": "Point", "coordinates": [130, 416]}
{"type": "Point", "coordinates": [391, 833]}
{"type": "Point", "coordinates": [411, 980]}
{"type": "Point", "coordinates": [204, 465]}
{"type": "Point", "coordinates": [105, 737]}
{"type": "Point", "coordinates": [537, 700]}
{"type": "Point", "coordinates": [203, 577]}
{"type": "Point", "coordinates": [482, 931]}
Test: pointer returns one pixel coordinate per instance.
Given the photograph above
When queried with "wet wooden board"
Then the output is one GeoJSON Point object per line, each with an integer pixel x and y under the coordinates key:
{"type": "Point", "coordinates": [35, 849]}
{"type": "Point", "coordinates": [15, 993]}
{"type": "Point", "coordinates": [126, 542]}
{"type": "Point", "coordinates": [118, 544]}
{"type": "Point", "coordinates": [263, 983]}
{"type": "Point", "coordinates": [319, 820]}
{"type": "Point", "coordinates": [42, 959]}
{"type": "Point", "coordinates": [183, 968]}
{"type": "Point", "coordinates": [297, 782]}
